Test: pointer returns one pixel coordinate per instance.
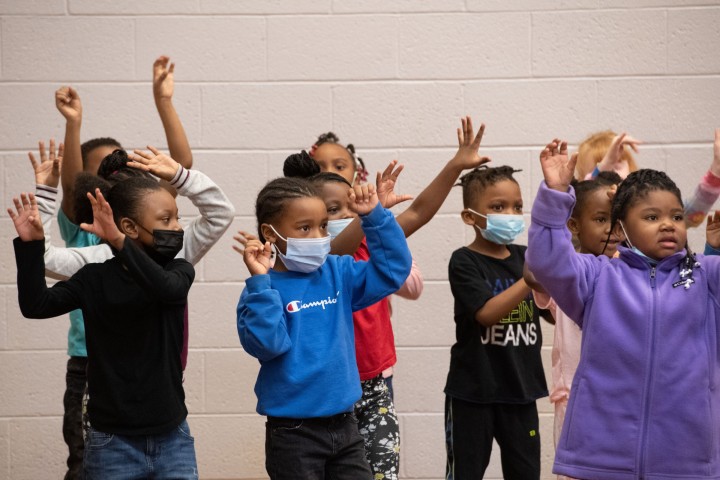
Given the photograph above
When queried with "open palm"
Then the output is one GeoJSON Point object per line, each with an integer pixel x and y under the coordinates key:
{"type": "Point", "coordinates": [26, 218]}
{"type": "Point", "coordinates": [557, 168]}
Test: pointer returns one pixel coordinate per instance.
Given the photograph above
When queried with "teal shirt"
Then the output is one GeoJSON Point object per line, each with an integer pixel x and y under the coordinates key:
{"type": "Point", "coordinates": [75, 236]}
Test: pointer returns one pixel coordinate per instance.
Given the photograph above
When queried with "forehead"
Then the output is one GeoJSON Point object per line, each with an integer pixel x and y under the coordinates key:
{"type": "Point", "coordinates": [334, 190]}
{"type": "Point", "coordinates": [304, 207]}
{"type": "Point", "coordinates": [331, 151]}
{"type": "Point", "coordinates": [597, 200]}
{"type": "Point", "coordinates": [501, 190]}
{"type": "Point", "coordinates": [160, 199]}
{"type": "Point", "coordinates": [659, 199]}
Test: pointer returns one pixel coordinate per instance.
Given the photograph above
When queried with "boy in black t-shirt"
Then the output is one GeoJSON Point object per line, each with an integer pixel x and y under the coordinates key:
{"type": "Point", "coordinates": [495, 372]}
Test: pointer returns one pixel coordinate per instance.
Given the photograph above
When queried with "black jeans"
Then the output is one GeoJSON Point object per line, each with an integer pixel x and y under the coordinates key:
{"type": "Point", "coordinates": [75, 381]}
{"type": "Point", "coordinates": [315, 448]}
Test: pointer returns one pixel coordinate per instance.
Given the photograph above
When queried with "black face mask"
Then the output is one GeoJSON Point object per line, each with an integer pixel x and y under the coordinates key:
{"type": "Point", "coordinates": [166, 244]}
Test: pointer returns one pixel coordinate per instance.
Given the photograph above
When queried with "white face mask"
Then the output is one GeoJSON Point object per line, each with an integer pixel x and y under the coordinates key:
{"type": "Point", "coordinates": [502, 229]}
{"type": "Point", "coordinates": [303, 255]}
{"type": "Point", "coordinates": [334, 227]}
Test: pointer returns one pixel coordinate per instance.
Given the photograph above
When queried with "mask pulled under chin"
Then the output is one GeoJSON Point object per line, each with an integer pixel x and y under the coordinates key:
{"type": "Point", "coordinates": [303, 255]}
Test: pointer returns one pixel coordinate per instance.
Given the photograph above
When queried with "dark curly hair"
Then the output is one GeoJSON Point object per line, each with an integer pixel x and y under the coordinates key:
{"type": "Point", "coordinates": [275, 195]}
{"type": "Point", "coordinates": [478, 179]}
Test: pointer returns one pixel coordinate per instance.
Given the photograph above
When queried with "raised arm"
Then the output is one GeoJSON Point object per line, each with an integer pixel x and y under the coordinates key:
{"type": "Point", "coordinates": [707, 191]}
{"type": "Point", "coordinates": [163, 89]}
{"type": "Point", "coordinates": [36, 300]}
{"type": "Point", "coordinates": [216, 211]}
{"type": "Point", "coordinates": [68, 103]}
{"type": "Point", "coordinates": [390, 260]}
{"type": "Point", "coordinates": [426, 205]}
{"type": "Point", "coordinates": [260, 313]}
{"type": "Point", "coordinates": [567, 276]}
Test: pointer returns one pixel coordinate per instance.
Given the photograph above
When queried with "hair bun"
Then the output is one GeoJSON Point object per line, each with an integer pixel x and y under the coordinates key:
{"type": "Point", "coordinates": [300, 165]}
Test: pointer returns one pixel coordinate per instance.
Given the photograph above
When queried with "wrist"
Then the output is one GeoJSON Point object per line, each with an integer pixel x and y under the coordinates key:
{"type": "Point", "coordinates": [117, 242]}
{"type": "Point", "coordinates": [161, 101]}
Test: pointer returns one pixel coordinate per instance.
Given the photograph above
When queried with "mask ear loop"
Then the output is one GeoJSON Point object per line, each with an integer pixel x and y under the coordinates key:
{"type": "Point", "coordinates": [627, 239]}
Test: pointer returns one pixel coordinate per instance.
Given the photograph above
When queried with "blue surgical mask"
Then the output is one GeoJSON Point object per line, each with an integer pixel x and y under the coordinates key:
{"type": "Point", "coordinates": [502, 229]}
{"type": "Point", "coordinates": [304, 255]}
{"type": "Point", "coordinates": [334, 227]}
{"type": "Point", "coordinates": [651, 261]}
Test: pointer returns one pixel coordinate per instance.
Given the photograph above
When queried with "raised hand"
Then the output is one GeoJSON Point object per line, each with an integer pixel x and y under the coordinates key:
{"type": "Point", "coordinates": [257, 257]}
{"type": "Point", "coordinates": [613, 161]}
{"type": "Point", "coordinates": [47, 172]}
{"type": "Point", "coordinates": [163, 78]}
{"type": "Point", "coordinates": [242, 238]}
{"type": "Point", "coordinates": [712, 232]}
{"type": "Point", "coordinates": [467, 155]}
{"type": "Point", "coordinates": [386, 186]}
{"type": "Point", "coordinates": [363, 199]}
{"type": "Point", "coordinates": [27, 218]}
{"type": "Point", "coordinates": [557, 168]}
{"type": "Point", "coordinates": [103, 224]}
{"type": "Point", "coordinates": [159, 164]}
{"type": "Point", "coordinates": [68, 103]}
{"type": "Point", "coordinates": [715, 167]}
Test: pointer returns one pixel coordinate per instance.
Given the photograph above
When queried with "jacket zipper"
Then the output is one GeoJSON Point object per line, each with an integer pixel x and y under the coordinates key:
{"type": "Point", "coordinates": [648, 380]}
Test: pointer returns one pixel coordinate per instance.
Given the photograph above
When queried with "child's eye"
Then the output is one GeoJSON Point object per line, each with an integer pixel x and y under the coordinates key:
{"type": "Point", "coordinates": [497, 208]}
{"type": "Point", "coordinates": [601, 220]}
{"type": "Point", "coordinates": [305, 228]}
{"type": "Point", "coordinates": [339, 167]}
{"type": "Point", "coordinates": [332, 210]}
{"type": "Point", "coordinates": [651, 217]}
{"type": "Point", "coordinates": [323, 226]}
{"type": "Point", "coordinates": [679, 218]}
{"type": "Point", "coordinates": [519, 208]}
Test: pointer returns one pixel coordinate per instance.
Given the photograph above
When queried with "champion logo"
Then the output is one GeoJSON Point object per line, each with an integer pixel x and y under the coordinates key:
{"type": "Point", "coordinates": [297, 305]}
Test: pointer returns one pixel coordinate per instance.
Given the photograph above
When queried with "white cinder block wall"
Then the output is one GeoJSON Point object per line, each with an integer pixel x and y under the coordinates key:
{"type": "Point", "coordinates": [256, 80]}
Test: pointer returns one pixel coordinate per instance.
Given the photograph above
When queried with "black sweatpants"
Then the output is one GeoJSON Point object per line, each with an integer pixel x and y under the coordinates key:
{"type": "Point", "coordinates": [469, 432]}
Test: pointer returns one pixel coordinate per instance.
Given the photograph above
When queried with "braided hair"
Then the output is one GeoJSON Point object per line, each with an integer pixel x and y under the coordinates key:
{"type": "Point", "coordinates": [330, 137]}
{"type": "Point", "coordinates": [637, 186]}
{"type": "Point", "coordinates": [274, 196]}
{"type": "Point", "coordinates": [300, 165]}
{"type": "Point", "coordinates": [478, 179]}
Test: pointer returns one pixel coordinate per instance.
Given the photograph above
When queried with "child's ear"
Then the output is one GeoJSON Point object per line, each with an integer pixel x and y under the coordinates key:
{"type": "Point", "coordinates": [467, 217]}
{"type": "Point", "coordinates": [573, 225]}
{"type": "Point", "coordinates": [129, 228]}
{"type": "Point", "coordinates": [268, 233]}
{"type": "Point", "coordinates": [618, 232]}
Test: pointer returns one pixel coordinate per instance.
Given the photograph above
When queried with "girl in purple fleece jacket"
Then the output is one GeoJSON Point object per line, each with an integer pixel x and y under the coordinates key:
{"type": "Point", "coordinates": [646, 395]}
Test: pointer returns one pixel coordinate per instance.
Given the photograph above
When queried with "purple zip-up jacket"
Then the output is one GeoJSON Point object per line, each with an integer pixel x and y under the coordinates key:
{"type": "Point", "coordinates": [645, 398]}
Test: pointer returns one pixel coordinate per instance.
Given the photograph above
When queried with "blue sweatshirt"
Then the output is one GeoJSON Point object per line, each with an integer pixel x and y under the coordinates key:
{"type": "Point", "coordinates": [645, 398]}
{"type": "Point", "coordinates": [300, 326]}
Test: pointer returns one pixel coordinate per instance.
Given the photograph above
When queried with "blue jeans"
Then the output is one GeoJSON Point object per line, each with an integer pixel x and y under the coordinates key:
{"type": "Point", "coordinates": [328, 448]}
{"type": "Point", "coordinates": [120, 457]}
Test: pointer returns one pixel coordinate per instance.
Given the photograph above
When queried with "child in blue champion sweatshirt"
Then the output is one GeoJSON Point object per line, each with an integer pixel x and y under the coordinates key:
{"type": "Point", "coordinates": [296, 318]}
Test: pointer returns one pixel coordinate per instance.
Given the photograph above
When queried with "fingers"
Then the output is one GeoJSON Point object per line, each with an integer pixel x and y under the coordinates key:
{"type": "Point", "coordinates": [388, 170]}
{"type": "Point", "coordinates": [479, 136]}
{"type": "Point", "coordinates": [144, 155]}
{"type": "Point", "coordinates": [41, 149]}
{"type": "Point", "coordinates": [153, 150]}
{"type": "Point", "coordinates": [12, 214]}
{"type": "Point", "coordinates": [33, 162]}
{"type": "Point", "coordinates": [60, 155]}
{"type": "Point", "coordinates": [171, 70]}
{"type": "Point", "coordinates": [468, 129]}
{"type": "Point", "coordinates": [563, 148]}
{"type": "Point", "coordinates": [52, 150]}
{"type": "Point", "coordinates": [137, 165]}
